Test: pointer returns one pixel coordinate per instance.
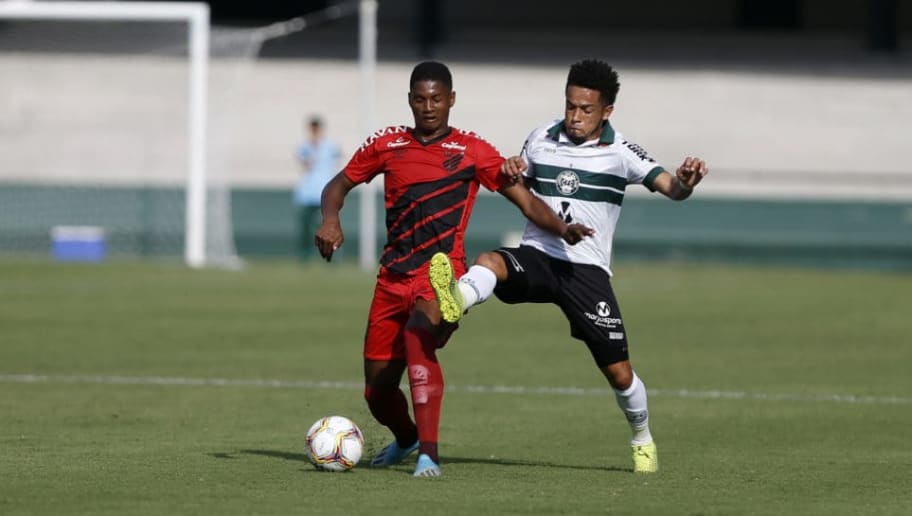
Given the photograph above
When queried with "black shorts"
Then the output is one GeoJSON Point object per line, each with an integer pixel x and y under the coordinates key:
{"type": "Point", "coordinates": [583, 292]}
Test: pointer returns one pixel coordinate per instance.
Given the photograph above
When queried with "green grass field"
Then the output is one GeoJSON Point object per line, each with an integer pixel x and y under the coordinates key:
{"type": "Point", "coordinates": [153, 389]}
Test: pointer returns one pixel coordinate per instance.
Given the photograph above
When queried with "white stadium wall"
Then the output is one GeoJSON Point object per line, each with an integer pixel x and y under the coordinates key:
{"type": "Point", "coordinates": [752, 127]}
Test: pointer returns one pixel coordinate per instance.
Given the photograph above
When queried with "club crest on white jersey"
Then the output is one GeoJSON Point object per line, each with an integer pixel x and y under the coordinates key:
{"type": "Point", "coordinates": [567, 182]}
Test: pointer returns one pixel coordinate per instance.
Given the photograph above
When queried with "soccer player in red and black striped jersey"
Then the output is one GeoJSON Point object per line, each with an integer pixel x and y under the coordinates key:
{"type": "Point", "coordinates": [432, 173]}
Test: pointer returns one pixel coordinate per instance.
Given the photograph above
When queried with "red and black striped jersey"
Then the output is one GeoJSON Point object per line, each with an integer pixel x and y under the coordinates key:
{"type": "Point", "coordinates": [429, 190]}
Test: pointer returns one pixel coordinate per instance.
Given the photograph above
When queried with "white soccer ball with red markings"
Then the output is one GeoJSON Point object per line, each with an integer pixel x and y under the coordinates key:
{"type": "Point", "coordinates": [334, 443]}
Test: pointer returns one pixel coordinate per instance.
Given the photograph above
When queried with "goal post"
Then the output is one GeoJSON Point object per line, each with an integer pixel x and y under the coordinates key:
{"type": "Point", "coordinates": [367, 49]}
{"type": "Point", "coordinates": [196, 15]}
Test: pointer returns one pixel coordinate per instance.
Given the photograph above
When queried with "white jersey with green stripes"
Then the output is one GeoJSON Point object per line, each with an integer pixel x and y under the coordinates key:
{"type": "Point", "coordinates": [584, 184]}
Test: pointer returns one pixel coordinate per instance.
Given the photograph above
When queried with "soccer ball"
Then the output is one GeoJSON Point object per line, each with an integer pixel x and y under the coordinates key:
{"type": "Point", "coordinates": [334, 443]}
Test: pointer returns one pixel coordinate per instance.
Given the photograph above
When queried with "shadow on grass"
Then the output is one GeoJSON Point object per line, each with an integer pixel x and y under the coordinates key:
{"type": "Point", "coordinates": [266, 453]}
{"type": "Point", "coordinates": [529, 463]}
{"type": "Point", "coordinates": [300, 457]}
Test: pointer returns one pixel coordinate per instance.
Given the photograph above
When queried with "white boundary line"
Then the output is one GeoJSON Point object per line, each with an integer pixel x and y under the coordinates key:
{"type": "Point", "coordinates": [470, 389]}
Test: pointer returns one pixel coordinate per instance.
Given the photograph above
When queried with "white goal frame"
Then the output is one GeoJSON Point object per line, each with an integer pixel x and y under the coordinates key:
{"type": "Point", "coordinates": [196, 15]}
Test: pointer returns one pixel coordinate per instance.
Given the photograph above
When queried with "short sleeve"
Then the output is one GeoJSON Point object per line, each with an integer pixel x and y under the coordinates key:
{"type": "Point", "coordinates": [365, 164]}
{"type": "Point", "coordinates": [487, 166]}
{"type": "Point", "coordinates": [641, 169]}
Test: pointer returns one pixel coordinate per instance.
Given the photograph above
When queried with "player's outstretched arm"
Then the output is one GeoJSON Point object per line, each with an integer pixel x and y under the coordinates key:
{"type": "Point", "coordinates": [542, 215]}
{"type": "Point", "coordinates": [680, 185]}
{"type": "Point", "coordinates": [534, 208]}
{"type": "Point", "coordinates": [329, 237]}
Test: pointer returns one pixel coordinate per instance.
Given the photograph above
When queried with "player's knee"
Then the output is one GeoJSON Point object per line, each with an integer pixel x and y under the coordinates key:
{"type": "Point", "coordinates": [621, 382]}
{"type": "Point", "coordinates": [619, 375]}
{"type": "Point", "coordinates": [493, 262]}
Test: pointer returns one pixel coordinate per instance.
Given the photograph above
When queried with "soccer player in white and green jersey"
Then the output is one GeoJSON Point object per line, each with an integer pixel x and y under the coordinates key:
{"type": "Point", "coordinates": [581, 167]}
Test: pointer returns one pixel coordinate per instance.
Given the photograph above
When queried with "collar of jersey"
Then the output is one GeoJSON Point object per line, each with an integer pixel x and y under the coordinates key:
{"type": "Point", "coordinates": [435, 140]}
{"type": "Point", "coordinates": [557, 133]}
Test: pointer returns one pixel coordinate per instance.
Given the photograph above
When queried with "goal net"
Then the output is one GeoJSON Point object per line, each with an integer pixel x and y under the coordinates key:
{"type": "Point", "coordinates": [124, 121]}
{"type": "Point", "coordinates": [103, 126]}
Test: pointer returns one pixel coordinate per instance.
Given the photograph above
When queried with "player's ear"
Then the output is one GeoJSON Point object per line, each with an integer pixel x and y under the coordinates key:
{"type": "Point", "coordinates": [606, 111]}
{"type": "Point", "coordinates": [452, 98]}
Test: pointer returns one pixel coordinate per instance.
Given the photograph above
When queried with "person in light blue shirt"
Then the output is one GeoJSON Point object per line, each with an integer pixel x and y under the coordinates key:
{"type": "Point", "coordinates": [318, 157]}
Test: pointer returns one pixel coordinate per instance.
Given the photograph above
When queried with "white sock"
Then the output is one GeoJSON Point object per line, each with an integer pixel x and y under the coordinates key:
{"type": "Point", "coordinates": [633, 403]}
{"type": "Point", "coordinates": [477, 285]}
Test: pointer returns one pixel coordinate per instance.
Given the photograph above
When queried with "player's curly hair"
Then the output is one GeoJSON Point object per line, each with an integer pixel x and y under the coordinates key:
{"type": "Point", "coordinates": [595, 75]}
{"type": "Point", "coordinates": [431, 71]}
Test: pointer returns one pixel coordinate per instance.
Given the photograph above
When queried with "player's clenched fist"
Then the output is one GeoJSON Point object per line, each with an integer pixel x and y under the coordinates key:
{"type": "Point", "coordinates": [328, 238]}
{"type": "Point", "coordinates": [691, 172]}
{"type": "Point", "coordinates": [513, 167]}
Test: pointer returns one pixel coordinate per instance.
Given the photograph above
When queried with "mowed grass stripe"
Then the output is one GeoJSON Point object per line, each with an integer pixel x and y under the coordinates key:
{"type": "Point", "coordinates": [470, 389]}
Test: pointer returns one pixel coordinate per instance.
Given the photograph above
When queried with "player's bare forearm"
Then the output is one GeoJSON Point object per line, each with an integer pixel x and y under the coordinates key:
{"type": "Point", "coordinates": [540, 214]}
{"type": "Point", "coordinates": [333, 195]}
{"type": "Point", "coordinates": [681, 184]}
{"type": "Point", "coordinates": [329, 236]}
{"type": "Point", "coordinates": [543, 216]}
